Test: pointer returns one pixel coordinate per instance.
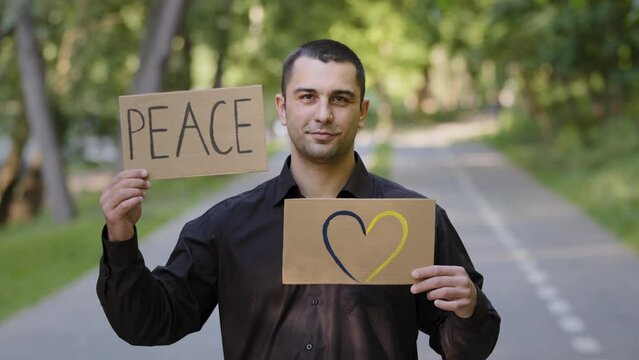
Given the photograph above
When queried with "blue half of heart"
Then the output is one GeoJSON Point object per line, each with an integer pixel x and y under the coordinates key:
{"type": "Point", "coordinates": [327, 243]}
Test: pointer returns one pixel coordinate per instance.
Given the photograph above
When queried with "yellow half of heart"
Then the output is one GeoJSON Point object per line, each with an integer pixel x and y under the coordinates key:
{"type": "Point", "coordinates": [399, 247]}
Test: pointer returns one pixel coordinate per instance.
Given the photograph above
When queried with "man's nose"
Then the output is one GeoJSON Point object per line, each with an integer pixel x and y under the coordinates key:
{"type": "Point", "coordinates": [324, 112]}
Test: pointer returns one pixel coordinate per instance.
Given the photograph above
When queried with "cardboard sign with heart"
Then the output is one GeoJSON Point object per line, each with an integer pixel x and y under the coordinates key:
{"type": "Point", "coordinates": [356, 241]}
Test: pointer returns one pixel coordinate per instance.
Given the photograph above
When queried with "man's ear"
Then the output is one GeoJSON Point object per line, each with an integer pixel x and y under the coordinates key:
{"type": "Point", "coordinates": [280, 105]}
{"type": "Point", "coordinates": [363, 112]}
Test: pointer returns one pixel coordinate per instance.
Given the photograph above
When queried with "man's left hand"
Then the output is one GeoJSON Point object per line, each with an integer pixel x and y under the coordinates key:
{"type": "Point", "coordinates": [449, 287]}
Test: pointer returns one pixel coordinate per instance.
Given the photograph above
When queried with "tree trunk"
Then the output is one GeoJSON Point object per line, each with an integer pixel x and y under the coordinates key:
{"type": "Point", "coordinates": [384, 125]}
{"type": "Point", "coordinates": [223, 31]}
{"type": "Point", "coordinates": [184, 74]}
{"type": "Point", "coordinates": [40, 119]}
{"type": "Point", "coordinates": [10, 172]}
{"type": "Point", "coordinates": [28, 193]}
{"type": "Point", "coordinates": [163, 24]}
{"type": "Point", "coordinates": [423, 94]}
{"type": "Point", "coordinates": [540, 116]}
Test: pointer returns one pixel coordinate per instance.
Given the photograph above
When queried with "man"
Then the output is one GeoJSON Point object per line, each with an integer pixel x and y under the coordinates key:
{"type": "Point", "coordinates": [232, 255]}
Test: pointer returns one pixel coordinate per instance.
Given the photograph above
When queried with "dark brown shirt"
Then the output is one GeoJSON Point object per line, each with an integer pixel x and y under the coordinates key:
{"type": "Point", "coordinates": [231, 257]}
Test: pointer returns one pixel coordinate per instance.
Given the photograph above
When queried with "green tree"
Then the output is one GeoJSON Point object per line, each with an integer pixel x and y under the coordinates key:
{"type": "Point", "coordinates": [39, 115]}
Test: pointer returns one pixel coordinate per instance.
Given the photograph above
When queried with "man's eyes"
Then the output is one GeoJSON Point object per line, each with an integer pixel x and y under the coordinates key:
{"type": "Point", "coordinates": [340, 100]}
{"type": "Point", "coordinates": [337, 100]}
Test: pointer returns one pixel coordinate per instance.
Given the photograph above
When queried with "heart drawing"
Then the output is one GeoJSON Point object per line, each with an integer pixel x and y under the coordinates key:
{"type": "Point", "coordinates": [366, 231]}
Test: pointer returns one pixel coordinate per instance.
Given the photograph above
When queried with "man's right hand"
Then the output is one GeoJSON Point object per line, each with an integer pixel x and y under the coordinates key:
{"type": "Point", "coordinates": [121, 202]}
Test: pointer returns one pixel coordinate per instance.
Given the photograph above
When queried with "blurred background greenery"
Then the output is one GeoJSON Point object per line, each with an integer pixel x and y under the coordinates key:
{"type": "Point", "coordinates": [561, 76]}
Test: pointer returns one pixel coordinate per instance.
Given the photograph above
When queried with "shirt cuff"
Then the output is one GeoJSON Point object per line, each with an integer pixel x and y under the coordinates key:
{"type": "Point", "coordinates": [120, 253]}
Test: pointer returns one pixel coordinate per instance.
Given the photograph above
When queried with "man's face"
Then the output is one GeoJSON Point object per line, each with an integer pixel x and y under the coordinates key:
{"type": "Point", "coordinates": [322, 109]}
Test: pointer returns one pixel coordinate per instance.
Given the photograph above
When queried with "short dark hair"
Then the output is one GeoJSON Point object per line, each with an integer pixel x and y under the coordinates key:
{"type": "Point", "coordinates": [324, 50]}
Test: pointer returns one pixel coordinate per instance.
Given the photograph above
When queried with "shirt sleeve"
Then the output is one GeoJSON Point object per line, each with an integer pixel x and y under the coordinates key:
{"type": "Point", "coordinates": [451, 336]}
{"type": "Point", "coordinates": [161, 306]}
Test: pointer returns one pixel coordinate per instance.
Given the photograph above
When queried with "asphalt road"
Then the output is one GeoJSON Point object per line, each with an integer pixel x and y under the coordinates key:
{"type": "Point", "coordinates": [564, 287]}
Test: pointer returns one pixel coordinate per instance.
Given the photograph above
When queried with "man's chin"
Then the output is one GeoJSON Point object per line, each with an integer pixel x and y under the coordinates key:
{"type": "Point", "coordinates": [321, 154]}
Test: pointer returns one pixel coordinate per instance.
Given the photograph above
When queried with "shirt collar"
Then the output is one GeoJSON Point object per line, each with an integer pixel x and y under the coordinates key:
{"type": "Point", "coordinates": [358, 184]}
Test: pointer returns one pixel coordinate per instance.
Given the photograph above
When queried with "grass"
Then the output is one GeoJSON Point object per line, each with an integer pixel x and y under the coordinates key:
{"type": "Point", "coordinates": [40, 256]}
{"type": "Point", "coordinates": [382, 157]}
{"type": "Point", "coordinates": [601, 176]}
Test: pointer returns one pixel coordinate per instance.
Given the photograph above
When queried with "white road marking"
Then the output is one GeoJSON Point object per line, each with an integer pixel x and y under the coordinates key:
{"type": "Point", "coordinates": [559, 307]}
{"type": "Point", "coordinates": [586, 345]}
{"type": "Point", "coordinates": [536, 278]}
{"type": "Point", "coordinates": [527, 264]}
{"type": "Point", "coordinates": [568, 322]}
{"type": "Point", "coordinates": [547, 292]}
{"type": "Point", "coordinates": [521, 255]}
{"type": "Point", "coordinates": [571, 324]}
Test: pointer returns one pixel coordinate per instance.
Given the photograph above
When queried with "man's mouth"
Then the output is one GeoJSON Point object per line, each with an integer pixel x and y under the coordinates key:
{"type": "Point", "coordinates": [322, 135]}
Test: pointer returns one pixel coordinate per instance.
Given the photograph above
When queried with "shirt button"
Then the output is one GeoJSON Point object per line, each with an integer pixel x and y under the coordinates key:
{"type": "Point", "coordinates": [309, 346]}
{"type": "Point", "coordinates": [315, 301]}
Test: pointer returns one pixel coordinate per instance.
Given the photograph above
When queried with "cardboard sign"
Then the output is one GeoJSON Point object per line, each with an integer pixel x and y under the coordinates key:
{"type": "Point", "coordinates": [356, 241]}
{"type": "Point", "coordinates": [192, 133]}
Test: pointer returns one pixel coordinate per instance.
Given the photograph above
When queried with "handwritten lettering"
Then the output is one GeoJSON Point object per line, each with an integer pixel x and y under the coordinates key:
{"type": "Point", "coordinates": [131, 132]}
{"type": "Point", "coordinates": [189, 111]}
{"type": "Point", "coordinates": [238, 126]}
{"type": "Point", "coordinates": [189, 122]}
{"type": "Point", "coordinates": [152, 130]}
{"type": "Point", "coordinates": [212, 132]}
{"type": "Point", "coordinates": [195, 132]}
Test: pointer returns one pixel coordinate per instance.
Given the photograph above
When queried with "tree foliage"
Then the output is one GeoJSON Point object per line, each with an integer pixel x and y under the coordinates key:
{"type": "Point", "coordinates": [576, 60]}
{"type": "Point", "coordinates": [568, 64]}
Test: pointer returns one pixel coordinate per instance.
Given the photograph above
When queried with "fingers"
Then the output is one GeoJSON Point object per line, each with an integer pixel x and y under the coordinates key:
{"type": "Point", "coordinates": [448, 287]}
{"type": "Point", "coordinates": [437, 270]}
{"type": "Point", "coordinates": [141, 174]}
{"type": "Point", "coordinates": [448, 293]}
{"type": "Point", "coordinates": [438, 276]}
{"type": "Point", "coordinates": [121, 206]}
{"type": "Point", "coordinates": [441, 281]}
{"type": "Point", "coordinates": [463, 306]}
{"type": "Point", "coordinates": [127, 190]}
{"type": "Point", "coordinates": [131, 173]}
{"type": "Point", "coordinates": [453, 306]}
{"type": "Point", "coordinates": [122, 191]}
